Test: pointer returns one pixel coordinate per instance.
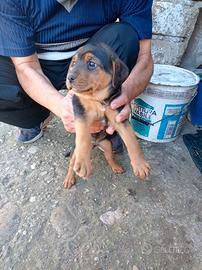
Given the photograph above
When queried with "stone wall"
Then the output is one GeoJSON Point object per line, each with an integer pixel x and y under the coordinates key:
{"type": "Point", "coordinates": [177, 32]}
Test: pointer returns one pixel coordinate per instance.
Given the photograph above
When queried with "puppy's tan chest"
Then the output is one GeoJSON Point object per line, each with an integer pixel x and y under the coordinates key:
{"type": "Point", "coordinates": [95, 110]}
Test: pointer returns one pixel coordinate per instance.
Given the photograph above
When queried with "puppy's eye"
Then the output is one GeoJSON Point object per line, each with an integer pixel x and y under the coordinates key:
{"type": "Point", "coordinates": [91, 65]}
{"type": "Point", "coordinates": [73, 63]}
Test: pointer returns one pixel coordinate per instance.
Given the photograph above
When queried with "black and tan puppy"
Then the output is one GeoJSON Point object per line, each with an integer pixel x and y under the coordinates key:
{"type": "Point", "coordinates": [95, 76]}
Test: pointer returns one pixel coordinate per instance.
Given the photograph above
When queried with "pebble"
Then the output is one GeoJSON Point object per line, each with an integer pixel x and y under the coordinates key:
{"type": "Point", "coordinates": [43, 173]}
{"type": "Point", "coordinates": [32, 150]}
{"type": "Point", "coordinates": [111, 217]}
{"type": "Point", "coordinates": [67, 153]}
{"type": "Point", "coordinates": [32, 199]}
{"type": "Point", "coordinates": [55, 203]}
{"type": "Point", "coordinates": [33, 166]}
{"type": "Point", "coordinates": [135, 267]}
{"type": "Point", "coordinates": [24, 232]}
{"type": "Point", "coordinates": [22, 173]}
{"type": "Point", "coordinates": [49, 181]}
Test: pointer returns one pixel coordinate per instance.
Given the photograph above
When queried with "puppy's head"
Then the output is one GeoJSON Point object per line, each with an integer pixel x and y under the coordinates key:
{"type": "Point", "coordinates": [96, 68]}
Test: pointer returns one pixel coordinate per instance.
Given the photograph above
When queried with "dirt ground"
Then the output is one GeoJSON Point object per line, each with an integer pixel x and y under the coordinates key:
{"type": "Point", "coordinates": [157, 224]}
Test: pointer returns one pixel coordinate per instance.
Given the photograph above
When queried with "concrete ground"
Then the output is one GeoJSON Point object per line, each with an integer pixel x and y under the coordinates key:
{"type": "Point", "coordinates": [156, 225]}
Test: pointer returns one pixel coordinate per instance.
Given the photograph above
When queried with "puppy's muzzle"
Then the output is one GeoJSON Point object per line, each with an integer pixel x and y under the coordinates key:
{"type": "Point", "coordinates": [71, 77]}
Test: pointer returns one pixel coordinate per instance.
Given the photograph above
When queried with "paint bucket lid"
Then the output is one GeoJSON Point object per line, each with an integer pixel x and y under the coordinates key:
{"type": "Point", "coordinates": [173, 76]}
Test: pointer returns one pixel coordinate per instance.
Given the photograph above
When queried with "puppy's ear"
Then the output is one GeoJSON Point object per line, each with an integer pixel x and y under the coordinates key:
{"type": "Point", "coordinates": [120, 72]}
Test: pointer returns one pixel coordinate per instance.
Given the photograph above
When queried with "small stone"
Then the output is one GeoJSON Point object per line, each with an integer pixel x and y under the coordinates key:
{"type": "Point", "coordinates": [32, 199]}
{"type": "Point", "coordinates": [55, 203]}
{"type": "Point", "coordinates": [135, 267]}
{"type": "Point", "coordinates": [110, 217]}
{"type": "Point", "coordinates": [33, 166]}
{"type": "Point", "coordinates": [33, 150]}
{"type": "Point", "coordinates": [43, 173]}
{"type": "Point", "coordinates": [49, 181]}
{"type": "Point", "coordinates": [67, 153]}
{"type": "Point", "coordinates": [24, 232]}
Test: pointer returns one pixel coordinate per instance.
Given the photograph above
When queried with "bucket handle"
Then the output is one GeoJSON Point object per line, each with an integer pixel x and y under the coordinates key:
{"type": "Point", "coordinates": [183, 112]}
{"type": "Point", "coordinates": [152, 124]}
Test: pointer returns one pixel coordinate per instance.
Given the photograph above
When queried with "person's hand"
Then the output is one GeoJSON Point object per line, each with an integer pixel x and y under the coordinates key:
{"type": "Point", "coordinates": [67, 116]}
{"type": "Point", "coordinates": [122, 100]}
{"type": "Point", "coordinates": [136, 82]}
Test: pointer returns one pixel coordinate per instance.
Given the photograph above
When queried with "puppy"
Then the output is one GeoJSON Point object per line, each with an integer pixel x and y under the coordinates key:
{"type": "Point", "coordinates": [95, 76]}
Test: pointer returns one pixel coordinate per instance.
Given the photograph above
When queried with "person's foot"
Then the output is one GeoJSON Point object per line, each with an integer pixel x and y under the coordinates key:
{"type": "Point", "coordinates": [30, 135]}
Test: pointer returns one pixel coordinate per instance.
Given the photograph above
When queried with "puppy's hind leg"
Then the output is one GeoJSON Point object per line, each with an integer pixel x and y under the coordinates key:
{"type": "Point", "coordinates": [106, 146]}
{"type": "Point", "coordinates": [70, 177]}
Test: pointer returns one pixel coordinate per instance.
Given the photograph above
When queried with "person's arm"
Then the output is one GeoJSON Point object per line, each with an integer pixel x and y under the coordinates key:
{"type": "Point", "coordinates": [141, 73]}
{"type": "Point", "coordinates": [36, 84]}
{"type": "Point", "coordinates": [40, 89]}
{"type": "Point", "coordinates": [136, 81]}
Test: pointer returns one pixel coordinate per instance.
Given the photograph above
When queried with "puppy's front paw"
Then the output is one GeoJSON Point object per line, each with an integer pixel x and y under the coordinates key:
{"type": "Point", "coordinates": [116, 168]}
{"type": "Point", "coordinates": [83, 167]}
{"type": "Point", "coordinates": [69, 181]}
{"type": "Point", "coordinates": [141, 168]}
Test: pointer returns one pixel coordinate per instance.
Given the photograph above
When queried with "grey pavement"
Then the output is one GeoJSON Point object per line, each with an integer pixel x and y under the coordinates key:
{"type": "Point", "coordinates": [110, 222]}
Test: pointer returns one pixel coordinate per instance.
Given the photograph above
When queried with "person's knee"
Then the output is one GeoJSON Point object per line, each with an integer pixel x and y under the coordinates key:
{"type": "Point", "coordinates": [126, 33]}
{"type": "Point", "coordinates": [117, 33]}
{"type": "Point", "coordinates": [122, 38]}
{"type": "Point", "coordinates": [127, 43]}
{"type": "Point", "coordinates": [12, 97]}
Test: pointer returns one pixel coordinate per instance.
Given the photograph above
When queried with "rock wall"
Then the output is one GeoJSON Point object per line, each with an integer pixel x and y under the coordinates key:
{"type": "Point", "coordinates": [193, 55]}
{"type": "Point", "coordinates": [177, 32]}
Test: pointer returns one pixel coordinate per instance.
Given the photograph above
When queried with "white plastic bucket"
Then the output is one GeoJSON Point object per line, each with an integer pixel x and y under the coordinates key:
{"type": "Point", "coordinates": [159, 112]}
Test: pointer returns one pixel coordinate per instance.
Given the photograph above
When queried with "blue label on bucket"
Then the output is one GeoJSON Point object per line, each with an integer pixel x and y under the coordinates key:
{"type": "Point", "coordinates": [141, 116]}
{"type": "Point", "coordinates": [171, 121]}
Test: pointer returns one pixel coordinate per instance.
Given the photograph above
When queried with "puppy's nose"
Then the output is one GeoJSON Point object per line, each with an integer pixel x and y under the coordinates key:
{"type": "Point", "coordinates": [71, 77]}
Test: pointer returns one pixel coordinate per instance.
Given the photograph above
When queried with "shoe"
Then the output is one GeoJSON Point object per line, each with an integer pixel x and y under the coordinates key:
{"type": "Point", "coordinates": [30, 135]}
{"type": "Point", "coordinates": [117, 143]}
